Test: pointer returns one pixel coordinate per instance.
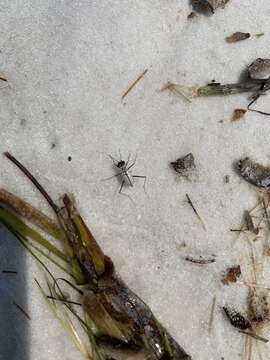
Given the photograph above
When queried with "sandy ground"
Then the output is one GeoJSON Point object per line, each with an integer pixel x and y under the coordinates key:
{"type": "Point", "coordinates": [68, 63]}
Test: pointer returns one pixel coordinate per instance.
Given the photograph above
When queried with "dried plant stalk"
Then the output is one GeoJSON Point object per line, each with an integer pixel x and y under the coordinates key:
{"type": "Point", "coordinates": [117, 313]}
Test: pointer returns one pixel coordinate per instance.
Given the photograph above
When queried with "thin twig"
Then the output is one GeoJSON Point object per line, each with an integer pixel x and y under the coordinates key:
{"type": "Point", "coordinates": [200, 260]}
{"type": "Point", "coordinates": [195, 211]}
{"type": "Point", "coordinates": [134, 83]}
{"type": "Point", "coordinates": [228, 89]}
{"type": "Point", "coordinates": [22, 310]}
{"type": "Point", "coordinates": [259, 111]}
{"type": "Point", "coordinates": [238, 230]}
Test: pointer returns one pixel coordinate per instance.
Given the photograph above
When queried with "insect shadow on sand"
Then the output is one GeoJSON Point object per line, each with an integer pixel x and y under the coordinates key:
{"type": "Point", "coordinates": [124, 172]}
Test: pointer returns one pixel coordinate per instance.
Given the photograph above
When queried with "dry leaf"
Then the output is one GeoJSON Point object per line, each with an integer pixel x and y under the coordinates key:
{"type": "Point", "coordinates": [184, 165]}
{"type": "Point", "coordinates": [237, 36]}
{"type": "Point", "coordinates": [254, 173]}
{"type": "Point", "coordinates": [232, 274]}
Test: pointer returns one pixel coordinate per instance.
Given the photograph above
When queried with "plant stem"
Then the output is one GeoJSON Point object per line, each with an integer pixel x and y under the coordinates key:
{"type": "Point", "coordinates": [228, 89]}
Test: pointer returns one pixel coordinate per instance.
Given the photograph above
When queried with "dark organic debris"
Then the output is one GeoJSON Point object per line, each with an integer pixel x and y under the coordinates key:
{"type": "Point", "coordinates": [238, 114]}
{"type": "Point", "coordinates": [259, 69]}
{"type": "Point", "coordinates": [254, 173]}
{"type": "Point", "coordinates": [214, 4]}
{"type": "Point", "coordinates": [134, 83]}
{"type": "Point", "coordinates": [236, 318]}
{"type": "Point", "coordinates": [209, 5]}
{"type": "Point", "coordinates": [237, 36]}
{"type": "Point", "coordinates": [184, 165]}
{"type": "Point", "coordinates": [231, 275]}
{"type": "Point", "coordinates": [200, 260]}
{"type": "Point", "coordinates": [226, 179]}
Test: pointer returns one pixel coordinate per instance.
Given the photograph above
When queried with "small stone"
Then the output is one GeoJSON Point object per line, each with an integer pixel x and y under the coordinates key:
{"type": "Point", "coordinates": [259, 69]}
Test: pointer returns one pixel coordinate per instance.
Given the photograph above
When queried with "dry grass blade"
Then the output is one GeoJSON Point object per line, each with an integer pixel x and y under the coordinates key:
{"type": "Point", "coordinates": [134, 84]}
{"type": "Point", "coordinates": [22, 310]}
{"type": "Point", "coordinates": [181, 91]}
{"type": "Point", "coordinates": [212, 315]}
{"type": "Point", "coordinates": [62, 315]}
{"type": "Point", "coordinates": [195, 211]}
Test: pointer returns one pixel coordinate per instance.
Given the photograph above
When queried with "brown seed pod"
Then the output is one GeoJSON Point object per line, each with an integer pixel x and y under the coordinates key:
{"type": "Point", "coordinates": [236, 318]}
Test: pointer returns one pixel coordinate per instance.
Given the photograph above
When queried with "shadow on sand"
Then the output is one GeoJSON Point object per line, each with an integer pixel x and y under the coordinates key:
{"type": "Point", "coordinates": [14, 324]}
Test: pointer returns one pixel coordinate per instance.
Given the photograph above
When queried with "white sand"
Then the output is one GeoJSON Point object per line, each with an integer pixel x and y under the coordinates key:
{"type": "Point", "coordinates": [68, 64]}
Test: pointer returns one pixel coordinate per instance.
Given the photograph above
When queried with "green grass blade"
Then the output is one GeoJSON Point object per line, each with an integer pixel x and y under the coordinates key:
{"type": "Point", "coordinates": [23, 229]}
